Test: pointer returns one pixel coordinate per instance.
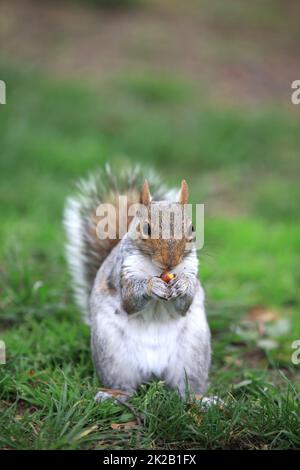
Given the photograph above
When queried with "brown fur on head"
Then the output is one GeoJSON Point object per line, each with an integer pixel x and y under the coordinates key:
{"type": "Point", "coordinates": [166, 251]}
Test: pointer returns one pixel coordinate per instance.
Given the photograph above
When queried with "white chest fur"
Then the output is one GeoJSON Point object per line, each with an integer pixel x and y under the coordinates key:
{"type": "Point", "coordinates": [153, 336]}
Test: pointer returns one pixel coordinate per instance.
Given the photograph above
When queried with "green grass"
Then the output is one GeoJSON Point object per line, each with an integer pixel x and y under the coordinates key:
{"type": "Point", "coordinates": [244, 164]}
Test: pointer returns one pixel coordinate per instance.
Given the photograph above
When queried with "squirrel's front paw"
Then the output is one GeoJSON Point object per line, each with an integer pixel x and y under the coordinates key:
{"type": "Point", "coordinates": [158, 289]}
{"type": "Point", "coordinates": [179, 286]}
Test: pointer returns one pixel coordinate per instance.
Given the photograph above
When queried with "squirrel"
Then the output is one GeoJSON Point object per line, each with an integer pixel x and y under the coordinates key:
{"type": "Point", "coordinates": [141, 326]}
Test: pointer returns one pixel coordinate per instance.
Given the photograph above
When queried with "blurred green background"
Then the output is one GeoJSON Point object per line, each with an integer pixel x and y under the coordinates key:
{"type": "Point", "coordinates": [200, 90]}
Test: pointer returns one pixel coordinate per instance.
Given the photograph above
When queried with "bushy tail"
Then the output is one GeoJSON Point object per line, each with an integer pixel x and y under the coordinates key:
{"type": "Point", "coordinates": [85, 252]}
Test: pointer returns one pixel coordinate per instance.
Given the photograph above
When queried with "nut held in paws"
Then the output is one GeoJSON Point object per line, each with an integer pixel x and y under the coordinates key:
{"type": "Point", "coordinates": [167, 277]}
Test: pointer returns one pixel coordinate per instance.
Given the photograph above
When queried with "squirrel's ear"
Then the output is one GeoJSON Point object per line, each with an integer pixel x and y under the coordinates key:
{"type": "Point", "coordinates": [183, 193]}
{"type": "Point", "coordinates": [145, 197]}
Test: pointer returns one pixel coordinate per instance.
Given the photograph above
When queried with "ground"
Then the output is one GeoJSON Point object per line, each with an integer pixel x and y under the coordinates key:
{"type": "Point", "coordinates": [238, 148]}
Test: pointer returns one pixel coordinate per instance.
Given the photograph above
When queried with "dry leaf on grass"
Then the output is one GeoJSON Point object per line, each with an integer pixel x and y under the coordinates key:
{"type": "Point", "coordinates": [114, 392]}
{"type": "Point", "coordinates": [124, 426]}
{"type": "Point", "coordinates": [262, 314]}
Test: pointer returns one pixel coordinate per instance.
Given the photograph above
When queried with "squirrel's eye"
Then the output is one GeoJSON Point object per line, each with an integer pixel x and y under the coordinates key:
{"type": "Point", "coordinates": [191, 231]}
{"type": "Point", "coordinates": [146, 229]}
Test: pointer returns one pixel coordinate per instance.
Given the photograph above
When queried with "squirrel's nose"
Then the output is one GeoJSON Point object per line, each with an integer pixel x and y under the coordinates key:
{"type": "Point", "coordinates": [169, 267]}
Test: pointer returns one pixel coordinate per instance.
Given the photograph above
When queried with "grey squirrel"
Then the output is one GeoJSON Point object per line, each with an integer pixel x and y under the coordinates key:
{"type": "Point", "coordinates": [141, 326]}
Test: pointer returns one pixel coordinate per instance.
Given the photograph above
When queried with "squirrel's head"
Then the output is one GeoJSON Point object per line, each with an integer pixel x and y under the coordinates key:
{"type": "Point", "coordinates": [165, 233]}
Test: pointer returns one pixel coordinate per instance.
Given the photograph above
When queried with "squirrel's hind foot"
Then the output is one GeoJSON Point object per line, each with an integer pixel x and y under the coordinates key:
{"type": "Point", "coordinates": [109, 393]}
